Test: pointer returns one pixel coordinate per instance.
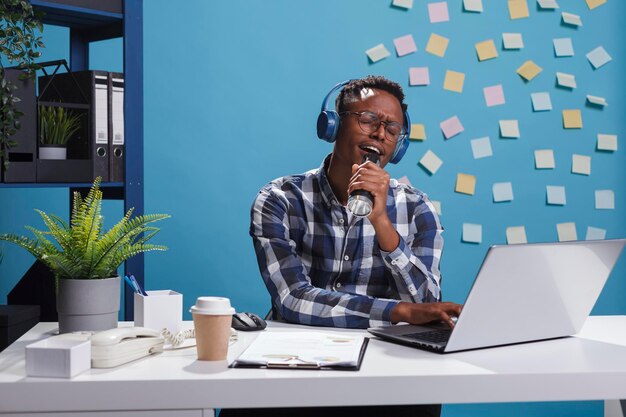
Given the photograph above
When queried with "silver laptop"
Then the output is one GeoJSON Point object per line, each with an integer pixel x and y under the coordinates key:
{"type": "Point", "coordinates": [522, 293]}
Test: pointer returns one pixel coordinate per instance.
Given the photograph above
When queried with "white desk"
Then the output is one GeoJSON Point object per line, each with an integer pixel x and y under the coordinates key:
{"type": "Point", "coordinates": [589, 366]}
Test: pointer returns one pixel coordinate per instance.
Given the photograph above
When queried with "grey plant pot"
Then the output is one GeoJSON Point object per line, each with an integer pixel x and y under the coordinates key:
{"type": "Point", "coordinates": [88, 304]}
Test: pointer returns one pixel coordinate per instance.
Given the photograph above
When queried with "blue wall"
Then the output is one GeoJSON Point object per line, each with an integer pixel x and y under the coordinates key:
{"type": "Point", "coordinates": [232, 92]}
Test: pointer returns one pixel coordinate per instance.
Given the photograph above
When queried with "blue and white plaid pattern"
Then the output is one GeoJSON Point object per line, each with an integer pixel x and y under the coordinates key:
{"type": "Point", "coordinates": [323, 267]}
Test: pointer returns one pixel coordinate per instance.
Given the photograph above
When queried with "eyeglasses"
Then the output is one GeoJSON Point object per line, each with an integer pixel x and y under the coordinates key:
{"type": "Point", "coordinates": [370, 122]}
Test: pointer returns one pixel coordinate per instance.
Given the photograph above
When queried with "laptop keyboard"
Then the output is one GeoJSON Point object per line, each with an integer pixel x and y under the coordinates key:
{"type": "Point", "coordinates": [433, 336]}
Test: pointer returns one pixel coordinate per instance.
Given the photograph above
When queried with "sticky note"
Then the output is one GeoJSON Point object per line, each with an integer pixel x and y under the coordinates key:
{"type": "Point", "coordinates": [548, 4]}
{"type": "Point", "coordinates": [405, 4]}
{"type": "Point", "coordinates": [565, 80]}
{"type": "Point", "coordinates": [437, 45]}
{"type": "Point", "coordinates": [592, 4]}
{"type": "Point", "coordinates": [598, 57]}
{"type": "Point", "coordinates": [541, 101]}
{"type": "Point", "coordinates": [454, 81]}
{"type": "Point", "coordinates": [606, 142]}
{"type": "Point", "coordinates": [605, 200]}
{"type": "Point", "coordinates": [405, 45]}
{"type": "Point", "coordinates": [516, 235]}
{"type": "Point", "coordinates": [419, 76]}
{"type": "Point", "coordinates": [494, 95]}
{"type": "Point", "coordinates": [512, 41]}
{"type": "Point", "coordinates": [572, 119]}
{"type": "Point", "coordinates": [486, 50]}
{"type": "Point", "coordinates": [451, 127]}
{"type": "Point", "coordinates": [465, 184]}
{"type": "Point", "coordinates": [563, 47]}
{"type": "Point", "coordinates": [481, 147]}
{"type": "Point", "coordinates": [431, 162]}
{"type": "Point", "coordinates": [571, 19]}
{"type": "Point", "coordinates": [502, 191]}
{"type": "Point", "coordinates": [597, 101]}
{"type": "Point", "coordinates": [404, 180]}
{"type": "Point", "coordinates": [595, 233]}
{"type": "Point", "coordinates": [581, 164]}
{"type": "Point", "coordinates": [437, 205]}
{"type": "Point", "coordinates": [418, 132]}
{"type": "Point", "coordinates": [377, 53]}
{"type": "Point", "coordinates": [438, 12]}
{"type": "Point", "coordinates": [473, 5]}
{"type": "Point", "coordinates": [544, 159]}
{"type": "Point", "coordinates": [509, 129]}
{"type": "Point", "coordinates": [518, 9]}
{"type": "Point", "coordinates": [566, 231]}
{"type": "Point", "coordinates": [529, 70]}
{"type": "Point", "coordinates": [472, 233]}
{"type": "Point", "coordinates": [556, 195]}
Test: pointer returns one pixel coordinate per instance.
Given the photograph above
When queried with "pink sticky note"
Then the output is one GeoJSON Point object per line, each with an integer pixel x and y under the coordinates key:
{"type": "Point", "coordinates": [438, 12]}
{"type": "Point", "coordinates": [451, 127]}
{"type": "Point", "coordinates": [419, 76]}
{"type": "Point", "coordinates": [494, 95]}
{"type": "Point", "coordinates": [405, 45]}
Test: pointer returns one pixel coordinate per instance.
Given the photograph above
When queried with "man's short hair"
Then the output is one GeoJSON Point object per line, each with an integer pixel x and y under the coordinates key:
{"type": "Point", "coordinates": [352, 92]}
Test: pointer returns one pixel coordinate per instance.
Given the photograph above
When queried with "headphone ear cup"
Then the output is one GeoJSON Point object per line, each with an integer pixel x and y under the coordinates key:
{"type": "Point", "coordinates": [328, 125]}
{"type": "Point", "coordinates": [401, 148]}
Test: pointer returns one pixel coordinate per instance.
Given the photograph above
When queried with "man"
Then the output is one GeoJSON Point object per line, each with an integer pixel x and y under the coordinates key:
{"type": "Point", "coordinates": [324, 266]}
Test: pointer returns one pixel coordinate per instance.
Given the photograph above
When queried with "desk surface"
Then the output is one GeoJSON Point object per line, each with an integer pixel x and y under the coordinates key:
{"type": "Point", "coordinates": [588, 366]}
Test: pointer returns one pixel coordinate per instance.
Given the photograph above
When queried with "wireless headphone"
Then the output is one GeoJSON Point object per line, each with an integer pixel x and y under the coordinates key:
{"type": "Point", "coordinates": [329, 120]}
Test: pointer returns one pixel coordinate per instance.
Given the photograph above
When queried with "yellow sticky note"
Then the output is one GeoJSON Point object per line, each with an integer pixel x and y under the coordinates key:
{"type": "Point", "coordinates": [454, 81]}
{"type": "Point", "coordinates": [592, 4]}
{"type": "Point", "coordinates": [529, 70]}
{"type": "Point", "coordinates": [572, 119]}
{"type": "Point", "coordinates": [486, 50]}
{"type": "Point", "coordinates": [437, 45]}
{"type": "Point", "coordinates": [465, 184]}
{"type": "Point", "coordinates": [418, 132]}
{"type": "Point", "coordinates": [518, 9]}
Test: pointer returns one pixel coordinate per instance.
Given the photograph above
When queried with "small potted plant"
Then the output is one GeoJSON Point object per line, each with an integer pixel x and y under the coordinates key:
{"type": "Point", "coordinates": [57, 125]}
{"type": "Point", "coordinates": [84, 259]}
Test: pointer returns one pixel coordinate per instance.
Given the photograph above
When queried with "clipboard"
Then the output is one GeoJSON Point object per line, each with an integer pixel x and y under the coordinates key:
{"type": "Point", "coordinates": [304, 350]}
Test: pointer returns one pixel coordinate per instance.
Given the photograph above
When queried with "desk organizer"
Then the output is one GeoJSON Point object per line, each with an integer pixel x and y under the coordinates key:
{"type": "Point", "coordinates": [159, 310]}
{"type": "Point", "coordinates": [58, 357]}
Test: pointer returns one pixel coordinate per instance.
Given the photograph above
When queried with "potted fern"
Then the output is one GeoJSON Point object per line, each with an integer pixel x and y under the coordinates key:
{"type": "Point", "coordinates": [57, 125]}
{"type": "Point", "coordinates": [84, 259]}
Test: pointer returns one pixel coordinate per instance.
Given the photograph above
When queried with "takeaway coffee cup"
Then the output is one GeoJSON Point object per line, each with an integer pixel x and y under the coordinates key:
{"type": "Point", "coordinates": [211, 320]}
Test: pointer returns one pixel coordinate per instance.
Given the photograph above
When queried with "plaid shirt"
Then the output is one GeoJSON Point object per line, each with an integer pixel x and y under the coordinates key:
{"type": "Point", "coordinates": [322, 266]}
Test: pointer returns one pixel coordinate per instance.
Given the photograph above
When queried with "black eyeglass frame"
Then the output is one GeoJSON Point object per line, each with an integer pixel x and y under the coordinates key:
{"type": "Point", "coordinates": [400, 136]}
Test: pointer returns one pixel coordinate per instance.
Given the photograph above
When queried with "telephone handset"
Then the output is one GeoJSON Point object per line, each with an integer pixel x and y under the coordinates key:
{"type": "Point", "coordinates": [114, 347]}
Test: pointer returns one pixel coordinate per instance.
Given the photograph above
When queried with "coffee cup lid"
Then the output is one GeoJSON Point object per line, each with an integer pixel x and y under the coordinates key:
{"type": "Point", "coordinates": [212, 306]}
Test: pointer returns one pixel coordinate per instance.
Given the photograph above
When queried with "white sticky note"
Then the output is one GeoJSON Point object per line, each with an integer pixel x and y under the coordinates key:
{"type": "Point", "coordinates": [437, 205]}
{"type": "Point", "coordinates": [563, 47]}
{"type": "Point", "coordinates": [595, 233]}
{"type": "Point", "coordinates": [605, 200]}
{"type": "Point", "coordinates": [541, 101]}
{"type": "Point", "coordinates": [566, 80]}
{"type": "Point", "coordinates": [481, 147]}
{"type": "Point", "coordinates": [548, 4]}
{"type": "Point", "coordinates": [502, 191]}
{"type": "Point", "coordinates": [472, 233]}
{"type": "Point", "coordinates": [377, 53]}
{"type": "Point", "coordinates": [509, 129]}
{"type": "Point", "coordinates": [473, 5]}
{"type": "Point", "coordinates": [512, 41]}
{"type": "Point", "coordinates": [581, 164]}
{"type": "Point", "coordinates": [606, 142]}
{"type": "Point", "coordinates": [544, 159]}
{"type": "Point", "coordinates": [556, 195]}
{"type": "Point", "coordinates": [405, 4]}
{"type": "Point", "coordinates": [404, 180]}
{"type": "Point", "coordinates": [431, 162]}
{"type": "Point", "coordinates": [516, 235]}
{"type": "Point", "coordinates": [598, 57]}
{"type": "Point", "coordinates": [571, 19]}
{"type": "Point", "coordinates": [598, 101]}
{"type": "Point", "coordinates": [566, 231]}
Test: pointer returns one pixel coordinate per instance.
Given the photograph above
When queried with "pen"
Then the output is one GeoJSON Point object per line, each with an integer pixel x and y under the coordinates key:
{"type": "Point", "coordinates": [130, 283]}
{"type": "Point", "coordinates": [139, 289]}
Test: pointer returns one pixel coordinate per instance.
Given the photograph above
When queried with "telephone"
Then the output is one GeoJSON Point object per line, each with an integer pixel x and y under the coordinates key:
{"type": "Point", "coordinates": [115, 347]}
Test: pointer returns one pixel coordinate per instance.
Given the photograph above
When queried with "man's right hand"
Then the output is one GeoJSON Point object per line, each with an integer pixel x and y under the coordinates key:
{"type": "Point", "coordinates": [422, 313]}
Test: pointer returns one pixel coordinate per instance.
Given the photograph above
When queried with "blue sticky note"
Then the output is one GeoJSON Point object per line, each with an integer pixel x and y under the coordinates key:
{"type": "Point", "coordinates": [563, 47]}
{"type": "Point", "coordinates": [594, 233]}
{"type": "Point", "coordinates": [472, 233]}
{"type": "Point", "coordinates": [598, 57]}
{"type": "Point", "coordinates": [541, 101]}
{"type": "Point", "coordinates": [556, 195]}
{"type": "Point", "coordinates": [605, 199]}
{"type": "Point", "coordinates": [502, 191]}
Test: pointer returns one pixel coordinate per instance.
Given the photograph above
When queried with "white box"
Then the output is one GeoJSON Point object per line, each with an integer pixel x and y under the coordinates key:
{"type": "Point", "coordinates": [159, 309]}
{"type": "Point", "coordinates": [58, 357]}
